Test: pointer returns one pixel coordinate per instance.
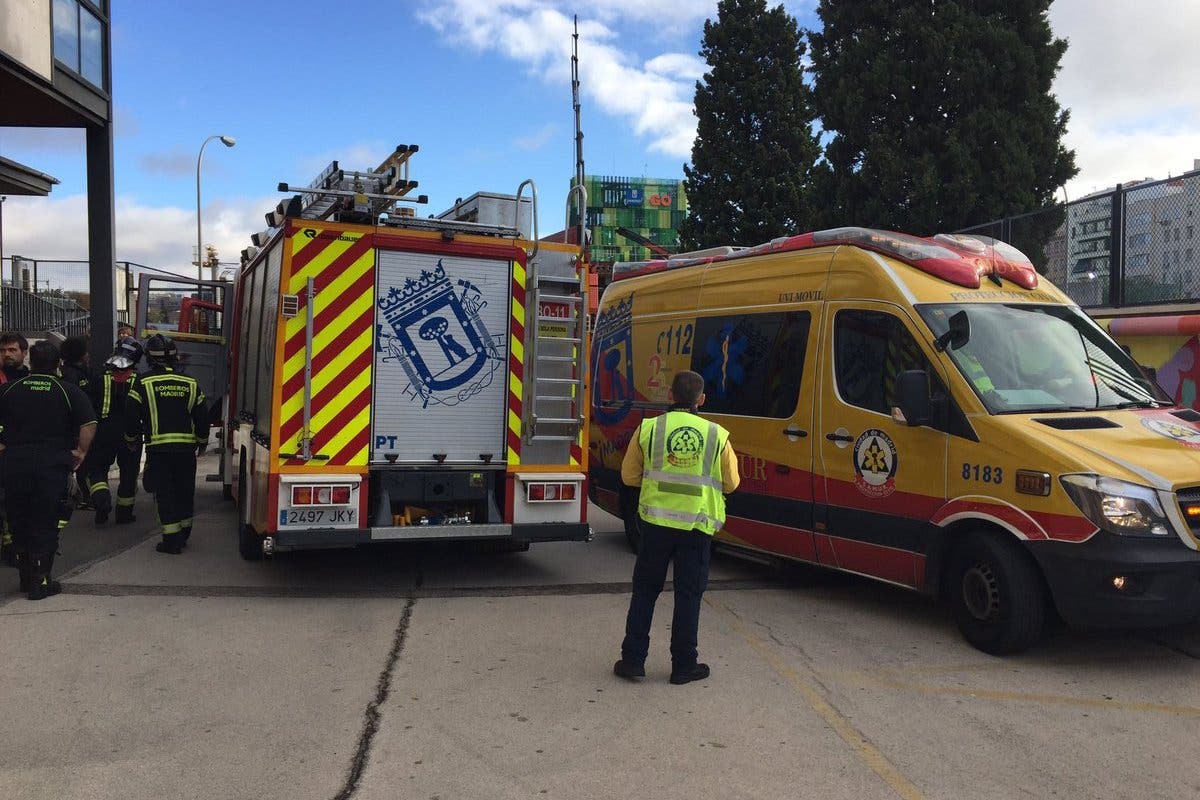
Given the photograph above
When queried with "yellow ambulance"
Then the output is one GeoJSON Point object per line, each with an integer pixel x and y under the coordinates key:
{"type": "Point", "coordinates": [929, 412]}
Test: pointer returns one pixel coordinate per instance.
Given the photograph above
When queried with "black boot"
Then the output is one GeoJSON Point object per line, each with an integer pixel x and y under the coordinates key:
{"type": "Point", "coordinates": [185, 534]}
{"type": "Point", "coordinates": [124, 515]}
{"type": "Point", "coordinates": [42, 587]}
{"type": "Point", "coordinates": [171, 543]}
{"type": "Point", "coordinates": [103, 503]}
{"type": "Point", "coordinates": [24, 569]}
{"type": "Point", "coordinates": [8, 554]}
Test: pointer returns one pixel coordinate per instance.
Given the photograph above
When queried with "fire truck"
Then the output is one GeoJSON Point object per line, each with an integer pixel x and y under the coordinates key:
{"type": "Point", "coordinates": [400, 378]}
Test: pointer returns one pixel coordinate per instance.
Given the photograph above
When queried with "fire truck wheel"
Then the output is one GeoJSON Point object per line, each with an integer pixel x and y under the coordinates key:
{"type": "Point", "coordinates": [629, 514]}
{"type": "Point", "coordinates": [249, 543]}
{"type": "Point", "coordinates": [999, 602]}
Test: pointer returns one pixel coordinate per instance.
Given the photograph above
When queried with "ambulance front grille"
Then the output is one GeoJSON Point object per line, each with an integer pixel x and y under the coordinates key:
{"type": "Point", "coordinates": [1190, 499]}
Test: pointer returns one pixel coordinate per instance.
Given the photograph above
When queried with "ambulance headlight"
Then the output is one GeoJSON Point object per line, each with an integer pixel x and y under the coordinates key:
{"type": "Point", "coordinates": [1119, 507]}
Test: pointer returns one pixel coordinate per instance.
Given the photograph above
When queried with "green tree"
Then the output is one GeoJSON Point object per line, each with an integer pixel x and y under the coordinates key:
{"type": "Point", "coordinates": [755, 150]}
{"type": "Point", "coordinates": [940, 113]}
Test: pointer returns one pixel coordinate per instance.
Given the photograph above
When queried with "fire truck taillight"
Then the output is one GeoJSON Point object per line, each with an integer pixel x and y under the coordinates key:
{"type": "Point", "coordinates": [550, 492]}
{"type": "Point", "coordinates": [326, 495]}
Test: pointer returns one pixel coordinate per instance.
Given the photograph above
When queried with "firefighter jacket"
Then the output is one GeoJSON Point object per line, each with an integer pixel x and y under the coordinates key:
{"type": "Point", "coordinates": [79, 375]}
{"type": "Point", "coordinates": [109, 393]}
{"type": "Point", "coordinates": [168, 409]}
{"type": "Point", "coordinates": [682, 472]}
{"type": "Point", "coordinates": [40, 418]}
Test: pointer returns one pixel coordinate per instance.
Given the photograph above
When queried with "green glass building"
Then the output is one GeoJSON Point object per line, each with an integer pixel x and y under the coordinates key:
{"type": "Point", "coordinates": [649, 208]}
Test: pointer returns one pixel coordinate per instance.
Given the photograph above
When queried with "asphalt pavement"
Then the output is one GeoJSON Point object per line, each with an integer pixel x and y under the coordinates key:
{"type": "Point", "coordinates": [447, 671]}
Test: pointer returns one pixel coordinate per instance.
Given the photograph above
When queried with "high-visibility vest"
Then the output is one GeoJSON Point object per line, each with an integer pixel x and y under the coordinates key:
{"type": "Point", "coordinates": [975, 372]}
{"type": "Point", "coordinates": [681, 472]}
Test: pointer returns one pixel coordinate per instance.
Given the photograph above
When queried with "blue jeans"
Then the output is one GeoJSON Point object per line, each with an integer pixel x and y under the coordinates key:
{"type": "Point", "coordinates": [690, 552]}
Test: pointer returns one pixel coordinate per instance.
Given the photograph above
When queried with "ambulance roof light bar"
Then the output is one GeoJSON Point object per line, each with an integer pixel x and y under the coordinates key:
{"type": "Point", "coordinates": [959, 258]}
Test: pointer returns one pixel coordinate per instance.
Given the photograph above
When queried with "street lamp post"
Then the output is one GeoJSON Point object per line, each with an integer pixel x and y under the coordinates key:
{"type": "Point", "coordinates": [2, 199]}
{"type": "Point", "coordinates": [228, 141]}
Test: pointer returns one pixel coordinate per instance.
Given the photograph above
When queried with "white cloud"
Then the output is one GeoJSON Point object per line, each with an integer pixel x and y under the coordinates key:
{"type": "Point", "coordinates": [654, 96]}
{"type": "Point", "coordinates": [175, 163]}
{"type": "Point", "coordinates": [1129, 77]}
{"type": "Point", "coordinates": [537, 140]}
{"type": "Point", "coordinates": [162, 237]}
{"type": "Point", "coordinates": [677, 65]}
{"type": "Point", "coordinates": [353, 156]}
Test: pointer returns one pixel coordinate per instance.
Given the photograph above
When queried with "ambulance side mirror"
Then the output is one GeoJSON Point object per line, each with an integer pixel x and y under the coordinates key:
{"type": "Point", "coordinates": [958, 334]}
{"type": "Point", "coordinates": [913, 404]}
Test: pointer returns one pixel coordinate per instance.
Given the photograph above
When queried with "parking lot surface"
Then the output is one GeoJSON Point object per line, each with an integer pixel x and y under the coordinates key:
{"type": "Point", "coordinates": [449, 672]}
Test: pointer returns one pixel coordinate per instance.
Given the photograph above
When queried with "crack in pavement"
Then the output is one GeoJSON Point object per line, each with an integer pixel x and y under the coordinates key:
{"type": "Point", "coordinates": [383, 688]}
{"type": "Point", "coordinates": [372, 715]}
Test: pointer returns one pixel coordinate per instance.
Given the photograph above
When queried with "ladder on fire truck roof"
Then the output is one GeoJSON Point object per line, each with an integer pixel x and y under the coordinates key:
{"type": "Point", "coordinates": [556, 367]}
{"type": "Point", "coordinates": [373, 192]}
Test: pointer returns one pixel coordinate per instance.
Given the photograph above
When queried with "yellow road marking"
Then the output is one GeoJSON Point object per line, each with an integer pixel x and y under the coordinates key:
{"type": "Point", "coordinates": [1019, 697]}
{"type": "Point", "coordinates": [867, 752]}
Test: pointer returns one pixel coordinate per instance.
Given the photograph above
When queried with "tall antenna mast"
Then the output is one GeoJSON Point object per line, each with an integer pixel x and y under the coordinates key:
{"type": "Point", "coordinates": [578, 129]}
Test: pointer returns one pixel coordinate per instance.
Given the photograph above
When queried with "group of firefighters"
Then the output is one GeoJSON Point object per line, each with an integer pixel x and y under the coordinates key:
{"type": "Point", "coordinates": [58, 417]}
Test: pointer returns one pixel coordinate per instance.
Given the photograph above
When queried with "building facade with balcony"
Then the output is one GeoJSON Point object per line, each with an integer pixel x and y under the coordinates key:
{"type": "Point", "coordinates": [56, 72]}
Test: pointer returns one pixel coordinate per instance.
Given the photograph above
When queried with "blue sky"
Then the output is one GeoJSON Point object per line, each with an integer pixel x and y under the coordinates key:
{"type": "Point", "coordinates": [483, 87]}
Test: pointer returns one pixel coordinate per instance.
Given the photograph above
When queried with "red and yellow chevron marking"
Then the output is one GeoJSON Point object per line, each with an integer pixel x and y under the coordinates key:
{"type": "Point", "coordinates": [516, 364]}
{"type": "Point", "coordinates": [341, 263]}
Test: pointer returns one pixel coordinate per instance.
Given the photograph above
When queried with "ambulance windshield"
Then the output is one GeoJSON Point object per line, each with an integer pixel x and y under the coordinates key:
{"type": "Point", "coordinates": [1024, 359]}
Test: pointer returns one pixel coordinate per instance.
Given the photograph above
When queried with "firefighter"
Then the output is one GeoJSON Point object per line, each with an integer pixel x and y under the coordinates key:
{"type": "Point", "coordinates": [110, 391]}
{"type": "Point", "coordinates": [76, 369]}
{"type": "Point", "coordinates": [168, 409]}
{"type": "Point", "coordinates": [13, 350]}
{"type": "Point", "coordinates": [46, 428]}
{"type": "Point", "coordinates": [683, 464]}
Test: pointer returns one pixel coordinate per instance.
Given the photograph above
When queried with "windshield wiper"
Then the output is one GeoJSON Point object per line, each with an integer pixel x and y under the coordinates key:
{"type": "Point", "coordinates": [1046, 409]}
{"type": "Point", "coordinates": [1132, 404]}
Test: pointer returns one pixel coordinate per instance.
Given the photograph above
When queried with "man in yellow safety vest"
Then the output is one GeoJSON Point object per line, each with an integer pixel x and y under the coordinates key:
{"type": "Point", "coordinates": [684, 465]}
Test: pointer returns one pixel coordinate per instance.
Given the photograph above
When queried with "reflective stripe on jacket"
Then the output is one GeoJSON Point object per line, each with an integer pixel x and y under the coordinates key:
{"type": "Point", "coordinates": [168, 409]}
{"type": "Point", "coordinates": [681, 477]}
{"type": "Point", "coordinates": [109, 400]}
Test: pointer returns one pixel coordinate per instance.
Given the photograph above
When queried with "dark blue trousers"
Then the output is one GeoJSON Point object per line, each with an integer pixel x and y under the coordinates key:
{"type": "Point", "coordinates": [690, 552]}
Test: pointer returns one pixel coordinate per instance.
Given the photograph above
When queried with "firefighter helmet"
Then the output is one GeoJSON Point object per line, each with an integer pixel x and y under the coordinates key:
{"type": "Point", "coordinates": [161, 349]}
{"type": "Point", "coordinates": [127, 353]}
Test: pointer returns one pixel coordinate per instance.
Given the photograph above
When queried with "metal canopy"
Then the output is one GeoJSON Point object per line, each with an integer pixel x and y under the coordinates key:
{"type": "Point", "coordinates": [18, 179]}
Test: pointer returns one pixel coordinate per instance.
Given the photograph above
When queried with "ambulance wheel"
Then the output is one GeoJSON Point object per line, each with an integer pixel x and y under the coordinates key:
{"type": "Point", "coordinates": [999, 602]}
{"type": "Point", "coordinates": [629, 515]}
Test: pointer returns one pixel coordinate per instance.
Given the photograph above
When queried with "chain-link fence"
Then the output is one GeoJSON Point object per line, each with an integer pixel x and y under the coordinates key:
{"type": "Point", "coordinates": [54, 295]}
{"type": "Point", "coordinates": [1137, 244]}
